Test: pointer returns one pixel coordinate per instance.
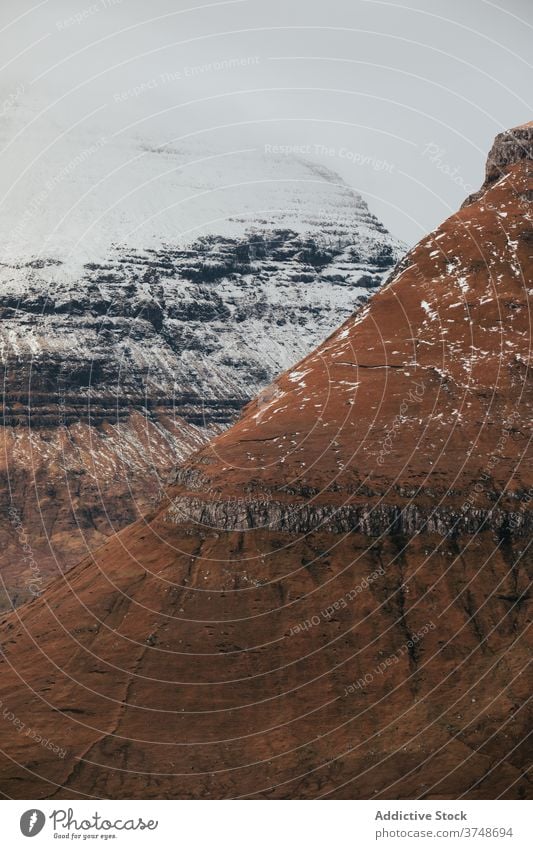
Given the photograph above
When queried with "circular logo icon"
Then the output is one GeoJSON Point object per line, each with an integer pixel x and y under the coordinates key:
{"type": "Point", "coordinates": [32, 822]}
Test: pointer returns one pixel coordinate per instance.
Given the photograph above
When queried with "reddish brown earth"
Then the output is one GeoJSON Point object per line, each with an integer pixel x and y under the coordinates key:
{"type": "Point", "coordinates": [333, 600]}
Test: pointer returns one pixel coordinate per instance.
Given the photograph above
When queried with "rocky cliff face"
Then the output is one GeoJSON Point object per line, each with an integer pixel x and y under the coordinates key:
{"type": "Point", "coordinates": [115, 369]}
{"type": "Point", "coordinates": [332, 598]}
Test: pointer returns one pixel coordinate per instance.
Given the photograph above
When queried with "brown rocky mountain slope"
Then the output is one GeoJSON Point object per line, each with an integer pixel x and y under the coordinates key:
{"type": "Point", "coordinates": [333, 601]}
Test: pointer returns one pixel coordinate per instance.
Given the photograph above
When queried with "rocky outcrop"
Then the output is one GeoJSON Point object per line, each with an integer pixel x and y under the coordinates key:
{"type": "Point", "coordinates": [509, 148]}
{"type": "Point", "coordinates": [115, 369]}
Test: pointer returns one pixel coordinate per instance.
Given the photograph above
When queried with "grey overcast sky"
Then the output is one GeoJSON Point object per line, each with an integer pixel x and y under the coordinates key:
{"type": "Point", "coordinates": [403, 100]}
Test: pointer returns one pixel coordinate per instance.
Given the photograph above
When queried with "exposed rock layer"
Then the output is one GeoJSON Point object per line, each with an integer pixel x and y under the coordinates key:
{"type": "Point", "coordinates": [509, 147]}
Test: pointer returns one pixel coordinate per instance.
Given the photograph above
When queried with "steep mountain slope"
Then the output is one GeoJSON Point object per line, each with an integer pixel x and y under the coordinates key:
{"type": "Point", "coordinates": [333, 599]}
{"type": "Point", "coordinates": [114, 369]}
{"type": "Point", "coordinates": [418, 396]}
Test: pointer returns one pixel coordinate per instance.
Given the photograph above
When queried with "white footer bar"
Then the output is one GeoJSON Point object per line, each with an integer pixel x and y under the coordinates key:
{"type": "Point", "coordinates": [268, 824]}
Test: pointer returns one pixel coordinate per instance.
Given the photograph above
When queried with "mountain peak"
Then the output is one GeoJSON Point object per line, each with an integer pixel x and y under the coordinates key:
{"type": "Point", "coordinates": [509, 148]}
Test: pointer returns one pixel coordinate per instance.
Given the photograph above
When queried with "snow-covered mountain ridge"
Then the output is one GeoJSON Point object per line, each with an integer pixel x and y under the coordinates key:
{"type": "Point", "coordinates": [200, 329]}
{"type": "Point", "coordinates": [127, 340]}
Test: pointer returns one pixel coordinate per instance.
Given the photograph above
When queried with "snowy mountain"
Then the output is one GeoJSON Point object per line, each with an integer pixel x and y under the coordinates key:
{"type": "Point", "coordinates": [146, 294]}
